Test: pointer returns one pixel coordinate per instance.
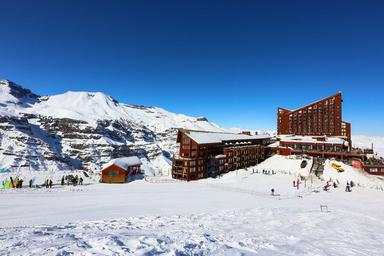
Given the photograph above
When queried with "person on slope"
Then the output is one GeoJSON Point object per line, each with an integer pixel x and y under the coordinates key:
{"type": "Point", "coordinates": [30, 183]}
{"type": "Point", "coordinates": [50, 183]}
{"type": "Point", "coordinates": [11, 181]}
{"type": "Point", "coordinates": [348, 187]}
{"type": "Point", "coordinates": [62, 181]}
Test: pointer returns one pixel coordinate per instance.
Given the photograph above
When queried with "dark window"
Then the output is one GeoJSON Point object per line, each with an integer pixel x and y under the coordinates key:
{"type": "Point", "coordinates": [113, 174]}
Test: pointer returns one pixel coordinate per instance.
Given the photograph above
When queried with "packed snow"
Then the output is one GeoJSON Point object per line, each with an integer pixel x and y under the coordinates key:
{"type": "Point", "coordinates": [234, 214]}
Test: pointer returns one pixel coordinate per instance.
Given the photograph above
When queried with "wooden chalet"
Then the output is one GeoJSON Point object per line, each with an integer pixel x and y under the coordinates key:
{"type": "Point", "coordinates": [119, 169]}
{"type": "Point", "coordinates": [208, 154]}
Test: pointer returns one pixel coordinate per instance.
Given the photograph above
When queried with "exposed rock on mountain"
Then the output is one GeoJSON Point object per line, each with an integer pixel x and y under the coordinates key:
{"type": "Point", "coordinates": [78, 129]}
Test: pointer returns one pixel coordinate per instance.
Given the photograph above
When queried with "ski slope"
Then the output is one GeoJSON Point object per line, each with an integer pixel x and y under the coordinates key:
{"type": "Point", "coordinates": [231, 215]}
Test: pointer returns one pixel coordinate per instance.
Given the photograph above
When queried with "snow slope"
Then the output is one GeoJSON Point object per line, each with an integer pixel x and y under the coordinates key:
{"type": "Point", "coordinates": [286, 165]}
{"type": "Point", "coordinates": [232, 215]}
{"type": "Point", "coordinates": [358, 176]}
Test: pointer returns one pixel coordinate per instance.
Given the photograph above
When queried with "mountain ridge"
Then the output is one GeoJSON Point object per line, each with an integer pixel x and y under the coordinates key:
{"type": "Point", "coordinates": [76, 129]}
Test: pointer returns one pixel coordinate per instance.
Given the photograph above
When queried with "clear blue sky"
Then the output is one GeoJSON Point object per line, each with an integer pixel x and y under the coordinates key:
{"type": "Point", "coordinates": [234, 62]}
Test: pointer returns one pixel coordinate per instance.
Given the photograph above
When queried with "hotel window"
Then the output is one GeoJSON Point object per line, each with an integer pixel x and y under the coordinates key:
{"type": "Point", "coordinates": [186, 140]}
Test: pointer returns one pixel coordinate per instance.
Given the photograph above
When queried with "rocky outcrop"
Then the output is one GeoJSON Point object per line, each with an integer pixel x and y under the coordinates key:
{"type": "Point", "coordinates": [32, 137]}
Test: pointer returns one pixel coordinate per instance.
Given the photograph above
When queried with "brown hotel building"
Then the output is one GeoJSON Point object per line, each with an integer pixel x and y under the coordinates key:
{"type": "Point", "coordinates": [321, 118]}
{"type": "Point", "coordinates": [208, 154]}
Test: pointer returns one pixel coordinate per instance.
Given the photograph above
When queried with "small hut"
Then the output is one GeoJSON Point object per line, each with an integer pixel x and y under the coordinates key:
{"type": "Point", "coordinates": [119, 169]}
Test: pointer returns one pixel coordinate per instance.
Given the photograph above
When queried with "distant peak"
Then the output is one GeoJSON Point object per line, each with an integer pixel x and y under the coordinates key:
{"type": "Point", "coordinates": [18, 91]}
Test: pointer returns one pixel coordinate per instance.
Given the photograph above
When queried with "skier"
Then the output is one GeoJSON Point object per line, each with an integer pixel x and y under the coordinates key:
{"type": "Point", "coordinates": [294, 183]}
{"type": "Point", "coordinates": [47, 183]}
{"type": "Point", "coordinates": [62, 181]}
{"type": "Point", "coordinates": [50, 183]}
{"type": "Point", "coordinates": [30, 183]}
{"type": "Point", "coordinates": [272, 192]}
{"type": "Point", "coordinates": [81, 181]}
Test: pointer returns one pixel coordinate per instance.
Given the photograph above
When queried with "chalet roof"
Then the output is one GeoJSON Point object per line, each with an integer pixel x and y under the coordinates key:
{"type": "Point", "coordinates": [206, 137]}
{"type": "Point", "coordinates": [124, 162]}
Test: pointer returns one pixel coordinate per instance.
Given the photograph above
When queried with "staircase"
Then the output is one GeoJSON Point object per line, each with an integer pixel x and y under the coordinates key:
{"type": "Point", "coordinates": [317, 167]}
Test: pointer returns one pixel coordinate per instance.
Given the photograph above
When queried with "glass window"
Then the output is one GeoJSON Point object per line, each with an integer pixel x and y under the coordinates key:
{"type": "Point", "coordinates": [113, 174]}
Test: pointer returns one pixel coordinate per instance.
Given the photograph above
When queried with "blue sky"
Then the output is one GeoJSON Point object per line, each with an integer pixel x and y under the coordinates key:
{"type": "Point", "coordinates": [234, 62]}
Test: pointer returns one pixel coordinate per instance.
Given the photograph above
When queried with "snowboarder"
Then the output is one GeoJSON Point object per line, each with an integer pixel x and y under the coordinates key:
{"type": "Point", "coordinates": [348, 188]}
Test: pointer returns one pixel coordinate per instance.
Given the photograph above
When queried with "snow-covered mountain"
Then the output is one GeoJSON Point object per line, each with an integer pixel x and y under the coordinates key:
{"type": "Point", "coordinates": [75, 129]}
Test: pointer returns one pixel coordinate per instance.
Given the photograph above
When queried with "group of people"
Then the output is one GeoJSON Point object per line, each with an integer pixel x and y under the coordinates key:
{"type": "Point", "coordinates": [296, 183]}
{"type": "Point", "coordinates": [48, 183]}
{"type": "Point", "coordinates": [75, 180]}
{"type": "Point", "coordinates": [349, 185]}
{"type": "Point", "coordinates": [268, 172]}
{"type": "Point", "coordinates": [330, 183]}
{"type": "Point", "coordinates": [13, 183]}
{"type": "Point", "coordinates": [10, 182]}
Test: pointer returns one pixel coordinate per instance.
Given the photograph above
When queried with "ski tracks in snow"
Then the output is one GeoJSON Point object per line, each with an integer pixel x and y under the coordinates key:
{"type": "Point", "coordinates": [237, 232]}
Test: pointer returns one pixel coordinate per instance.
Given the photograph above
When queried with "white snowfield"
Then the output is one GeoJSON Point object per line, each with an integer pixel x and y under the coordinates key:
{"type": "Point", "coordinates": [232, 215]}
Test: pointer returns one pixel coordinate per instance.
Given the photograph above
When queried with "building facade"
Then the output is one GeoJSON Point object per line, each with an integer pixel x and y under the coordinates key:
{"type": "Point", "coordinates": [316, 146]}
{"type": "Point", "coordinates": [118, 170]}
{"type": "Point", "coordinates": [323, 117]}
{"type": "Point", "coordinates": [205, 154]}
